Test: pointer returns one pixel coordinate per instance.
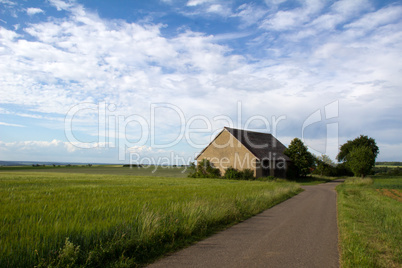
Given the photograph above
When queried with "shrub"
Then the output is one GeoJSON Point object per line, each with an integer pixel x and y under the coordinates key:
{"type": "Point", "coordinates": [204, 169]}
{"type": "Point", "coordinates": [234, 174]}
{"type": "Point", "coordinates": [340, 170]}
{"type": "Point", "coordinates": [247, 174]}
{"type": "Point", "coordinates": [133, 165]}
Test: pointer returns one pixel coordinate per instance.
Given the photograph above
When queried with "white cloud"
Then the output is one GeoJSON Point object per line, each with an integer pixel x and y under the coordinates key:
{"type": "Point", "coordinates": [348, 8]}
{"type": "Point", "coordinates": [145, 150]}
{"type": "Point", "coordinates": [83, 58]}
{"type": "Point", "coordinates": [192, 3]}
{"type": "Point", "coordinates": [250, 14]}
{"type": "Point", "coordinates": [34, 10]}
{"type": "Point", "coordinates": [57, 150]}
{"type": "Point", "coordinates": [379, 18]}
{"type": "Point", "coordinates": [207, 7]}
{"type": "Point", "coordinates": [283, 20]}
{"type": "Point", "coordinates": [274, 2]}
{"type": "Point", "coordinates": [61, 5]}
{"type": "Point", "coordinates": [293, 18]}
{"type": "Point", "coordinates": [219, 9]}
{"type": "Point", "coordinates": [29, 146]}
{"type": "Point", "coordinates": [8, 2]}
{"type": "Point", "coordinates": [10, 125]}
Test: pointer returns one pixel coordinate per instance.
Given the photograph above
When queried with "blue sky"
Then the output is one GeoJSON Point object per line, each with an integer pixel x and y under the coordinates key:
{"type": "Point", "coordinates": [106, 81]}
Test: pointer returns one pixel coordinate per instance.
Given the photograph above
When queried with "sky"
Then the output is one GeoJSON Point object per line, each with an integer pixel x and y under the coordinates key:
{"type": "Point", "coordinates": [155, 81]}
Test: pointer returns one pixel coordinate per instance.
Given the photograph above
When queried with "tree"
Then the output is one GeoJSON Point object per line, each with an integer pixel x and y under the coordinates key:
{"type": "Point", "coordinates": [325, 159]}
{"type": "Point", "coordinates": [324, 166]}
{"type": "Point", "coordinates": [352, 154]}
{"type": "Point", "coordinates": [361, 160]}
{"type": "Point", "coordinates": [358, 142]}
{"type": "Point", "coordinates": [301, 158]}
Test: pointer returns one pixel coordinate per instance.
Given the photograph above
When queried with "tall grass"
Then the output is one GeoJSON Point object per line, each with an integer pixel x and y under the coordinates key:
{"type": "Point", "coordinates": [159, 171]}
{"type": "Point", "coordinates": [56, 219]}
{"type": "Point", "coordinates": [369, 223]}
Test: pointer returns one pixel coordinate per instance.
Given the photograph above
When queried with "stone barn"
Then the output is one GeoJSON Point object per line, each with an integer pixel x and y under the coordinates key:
{"type": "Point", "coordinates": [243, 149]}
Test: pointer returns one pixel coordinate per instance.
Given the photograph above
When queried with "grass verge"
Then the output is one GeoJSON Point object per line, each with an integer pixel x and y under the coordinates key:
{"type": "Point", "coordinates": [370, 222]}
{"type": "Point", "coordinates": [89, 220]}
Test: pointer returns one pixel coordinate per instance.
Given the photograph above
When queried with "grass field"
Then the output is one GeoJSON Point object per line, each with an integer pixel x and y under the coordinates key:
{"type": "Point", "coordinates": [387, 166]}
{"type": "Point", "coordinates": [93, 220]}
{"type": "Point", "coordinates": [160, 171]}
{"type": "Point", "coordinates": [370, 222]}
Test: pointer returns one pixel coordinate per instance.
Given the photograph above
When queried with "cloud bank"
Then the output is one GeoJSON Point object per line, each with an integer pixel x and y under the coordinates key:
{"type": "Point", "coordinates": [276, 60]}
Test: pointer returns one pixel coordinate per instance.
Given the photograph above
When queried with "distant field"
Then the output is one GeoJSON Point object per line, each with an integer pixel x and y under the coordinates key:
{"type": "Point", "coordinates": [387, 166]}
{"type": "Point", "coordinates": [92, 220]}
{"type": "Point", "coordinates": [370, 218]}
{"type": "Point", "coordinates": [158, 171]}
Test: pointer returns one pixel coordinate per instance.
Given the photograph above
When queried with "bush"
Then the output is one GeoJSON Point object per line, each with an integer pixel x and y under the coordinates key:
{"type": "Point", "coordinates": [340, 170]}
{"type": "Point", "coordinates": [204, 169]}
{"type": "Point", "coordinates": [343, 170]}
{"type": "Point", "coordinates": [234, 174]}
{"type": "Point", "coordinates": [133, 165]}
{"type": "Point", "coordinates": [247, 174]}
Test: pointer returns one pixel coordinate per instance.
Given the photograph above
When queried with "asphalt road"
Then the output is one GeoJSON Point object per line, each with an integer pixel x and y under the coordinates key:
{"type": "Point", "coordinates": [300, 232]}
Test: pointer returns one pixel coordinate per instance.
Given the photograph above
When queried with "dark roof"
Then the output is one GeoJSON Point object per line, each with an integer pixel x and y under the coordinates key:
{"type": "Point", "coordinates": [262, 145]}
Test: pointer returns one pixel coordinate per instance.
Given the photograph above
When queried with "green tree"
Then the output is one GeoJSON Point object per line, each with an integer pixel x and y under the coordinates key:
{"type": "Point", "coordinates": [324, 166]}
{"type": "Point", "coordinates": [302, 159]}
{"type": "Point", "coordinates": [361, 160]}
{"type": "Point", "coordinates": [346, 148]}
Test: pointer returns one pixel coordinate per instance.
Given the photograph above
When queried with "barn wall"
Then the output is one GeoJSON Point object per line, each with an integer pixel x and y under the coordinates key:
{"type": "Point", "coordinates": [226, 151]}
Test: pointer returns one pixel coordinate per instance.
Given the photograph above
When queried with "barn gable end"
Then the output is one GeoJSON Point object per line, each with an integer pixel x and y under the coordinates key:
{"type": "Point", "coordinates": [242, 149]}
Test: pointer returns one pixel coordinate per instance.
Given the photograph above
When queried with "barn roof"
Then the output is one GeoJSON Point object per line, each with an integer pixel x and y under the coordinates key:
{"type": "Point", "coordinates": [262, 145]}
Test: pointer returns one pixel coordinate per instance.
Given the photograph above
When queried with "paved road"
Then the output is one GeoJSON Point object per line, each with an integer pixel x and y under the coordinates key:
{"type": "Point", "coordinates": [300, 232]}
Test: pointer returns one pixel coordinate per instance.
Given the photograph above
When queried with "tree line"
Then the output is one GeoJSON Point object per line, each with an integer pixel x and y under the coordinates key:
{"type": "Point", "coordinates": [355, 157]}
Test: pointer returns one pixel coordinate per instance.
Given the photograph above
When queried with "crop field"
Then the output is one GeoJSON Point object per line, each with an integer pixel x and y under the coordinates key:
{"type": "Point", "coordinates": [94, 220]}
{"type": "Point", "coordinates": [161, 171]}
{"type": "Point", "coordinates": [369, 219]}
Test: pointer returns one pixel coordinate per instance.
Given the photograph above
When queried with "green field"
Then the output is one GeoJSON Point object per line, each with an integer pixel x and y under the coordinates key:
{"type": "Point", "coordinates": [94, 220]}
{"type": "Point", "coordinates": [387, 166]}
{"type": "Point", "coordinates": [160, 171]}
{"type": "Point", "coordinates": [370, 222]}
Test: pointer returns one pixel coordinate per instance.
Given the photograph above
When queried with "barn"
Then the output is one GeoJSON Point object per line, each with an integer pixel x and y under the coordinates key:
{"type": "Point", "coordinates": [243, 149]}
